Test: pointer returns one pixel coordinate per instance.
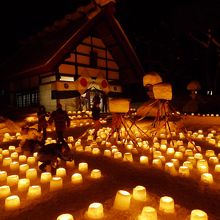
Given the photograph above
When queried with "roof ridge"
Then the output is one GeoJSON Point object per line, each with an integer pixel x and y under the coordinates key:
{"type": "Point", "coordinates": [79, 12]}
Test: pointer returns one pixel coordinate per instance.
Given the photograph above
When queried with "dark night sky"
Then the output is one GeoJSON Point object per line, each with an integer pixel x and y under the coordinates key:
{"type": "Point", "coordinates": [158, 30]}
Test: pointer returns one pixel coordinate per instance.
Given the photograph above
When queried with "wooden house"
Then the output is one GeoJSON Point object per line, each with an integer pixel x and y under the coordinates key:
{"type": "Point", "coordinates": [85, 53]}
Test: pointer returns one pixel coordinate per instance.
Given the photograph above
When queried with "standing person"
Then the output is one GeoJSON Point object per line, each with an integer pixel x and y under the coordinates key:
{"type": "Point", "coordinates": [61, 121]}
{"type": "Point", "coordinates": [104, 102]}
{"type": "Point", "coordinates": [96, 116]}
{"type": "Point", "coordinates": [96, 111]}
{"type": "Point", "coordinates": [42, 122]}
{"type": "Point", "coordinates": [30, 141]}
{"type": "Point", "coordinates": [96, 99]}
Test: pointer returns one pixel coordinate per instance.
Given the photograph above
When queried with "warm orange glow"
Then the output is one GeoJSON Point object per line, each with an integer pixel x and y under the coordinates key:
{"type": "Point", "coordinates": [95, 211]}
{"type": "Point", "coordinates": [12, 203]}
{"type": "Point", "coordinates": [167, 204]}
{"type": "Point", "coordinates": [122, 200]}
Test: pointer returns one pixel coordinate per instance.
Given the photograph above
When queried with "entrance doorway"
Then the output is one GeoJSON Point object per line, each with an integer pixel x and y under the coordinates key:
{"type": "Point", "coordinates": [87, 99]}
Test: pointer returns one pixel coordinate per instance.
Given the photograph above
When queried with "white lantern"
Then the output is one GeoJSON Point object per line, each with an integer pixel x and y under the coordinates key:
{"type": "Point", "coordinates": [12, 203]}
{"type": "Point", "coordinates": [166, 204]}
{"type": "Point", "coordinates": [95, 211]}
{"type": "Point", "coordinates": [122, 200]}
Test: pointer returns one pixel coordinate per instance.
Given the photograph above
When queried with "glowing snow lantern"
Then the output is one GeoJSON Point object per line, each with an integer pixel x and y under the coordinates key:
{"type": "Point", "coordinates": [95, 211]}
{"type": "Point", "coordinates": [198, 214]}
{"type": "Point", "coordinates": [213, 160]}
{"type": "Point", "coordinates": [96, 151]}
{"type": "Point", "coordinates": [23, 185]}
{"type": "Point", "coordinates": [128, 157]}
{"type": "Point", "coordinates": [144, 160]}
{"type": "Point", "coordinates": [14, 166]}
{"type": "Point", "coordinates": [148, 213]}
{"type": "Point", "coordinates": [202, 162]}
{"type": "Point", "coordinates": [22, 158]}
{"type": "Point", "coordinates": [198, 156]}
{"type": "Point", "coordinates": [188, 164]}
{"type": "Point", "coordinates": [166, 204]}
{"type": "Point", "coordinates": [162, 91]}
{"type": "Point", "coordinates": [157, 153]}
{"type": "Point", "coordinates": [5, 153]}
{"type": "Point", "coordinates": [217, 168]}
{"type": "Point", "coordinates": [4, 191]}
{"type": "Point", "coordinates": [14, 156]}
{"type": "Point", "coordinates": [34, 192]}
{"type": "Point", "coordinates": [170, 151]}
{"type": "Point", "coordinates": [83, 167]}
{"type": "Point", "coordinates": [88, 149]}
{"type": "Point", "coordinates": [119, 105]}
{"type": "Point", "coordinates": [210, 153]}
{"type": "Point", "coordinates": [207, 178]}
{"type": "Point", "coordinates": [31, 161]}
{"type": "Point", "coordinates": [107, 153]}
{"type": "Point", "coordinates": [76, 178]}
{"type": "Point", "coordinates": [95, 174]}
{"type": "Point", "coordinates": [170, 168]}
{"type": "Point", "coordinates": [61, 172]}
{"type": "Point", "coordinates": [184, 171]}
{"type": "Point", "coordinates": [3, 175]}
{"type": "Point", "coordinates": [175, 162]}
{"type": "Point", "coordinates": [192, 160]}
{"type": "Point", "coordinates": [11, 148]}
{"type": "Point", "coordinates": [12, 180]}
{"type": "Point", "coordinates": [151, 78]}
{"type": "Point", "coordinates": [6, 161]}
{"type": "Point", "coordinates": [56, 183]}
{"type": "Point", "coordinates": [70, 164]}
{"type": "Point", "coordinates": [117, 155]}
{"type": "Point", "coordinates": [157, 163]}
{"type": "Point", "coordinates": [12, 203]}
{"type": "Point", "coordinates": [65, 216]}
{"type": "Point", "coordinates": [122, 200]}
{"type": "Point", "coordinates": [45, 177]}
{"type": "Point", "coordinates": [139, 193]}
{"type": "Point", "coordinates": [23, 168]}
{"type": "Point", "coordinates": [31, 174]}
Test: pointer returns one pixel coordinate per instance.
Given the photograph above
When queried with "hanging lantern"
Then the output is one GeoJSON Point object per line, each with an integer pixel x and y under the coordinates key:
{"type": "Point", "coordinates": [117, 105]}
{"type": "Point", "coordinates": [152, 78]}
{"type": "Point", "coordinates": [162, 91]}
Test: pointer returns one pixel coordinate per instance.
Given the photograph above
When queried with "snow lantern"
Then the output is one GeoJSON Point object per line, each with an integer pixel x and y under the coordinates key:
{"type": "Point", "coordinates": [162, 91]}
{"type": "Point", "coordinates": [167, 204]}
{"type": "Point", "coordinates": [193, 86]}
{"type": "Point", "coordinates": [95, 211]}
{"type": "Point", "coordinates": [119, 105]}
{"type": "Point", "coordinates": [122, 200]}
{"type": "Point", "coordinates": [12, 203]}
{"type": "Point", "coordinates": [198, 214]}
{"type": "Point", "coordinates": [151, 78]}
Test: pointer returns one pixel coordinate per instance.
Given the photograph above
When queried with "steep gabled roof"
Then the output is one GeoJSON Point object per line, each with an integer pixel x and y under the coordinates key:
{"type": "Point", "coordinates": [42, 53]}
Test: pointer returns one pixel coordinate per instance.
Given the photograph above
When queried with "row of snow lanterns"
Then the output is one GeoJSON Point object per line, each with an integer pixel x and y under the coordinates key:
{"type": "Point", "coordinates": [20, 166]}
{"type": "Point", "coordinates": [203, 115]}
{"type": "Point", "coordinates": [161, 90]}
{"type": "Point", "coordinates": [123, 202]}
{"type": "Point", "coordinates": [192, 160]}
{"type": "Point", "coordinates": [212, 137]}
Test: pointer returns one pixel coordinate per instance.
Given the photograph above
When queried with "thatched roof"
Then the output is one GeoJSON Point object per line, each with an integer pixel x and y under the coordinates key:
{"type": "Point", "coordinates": [45, 51]}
